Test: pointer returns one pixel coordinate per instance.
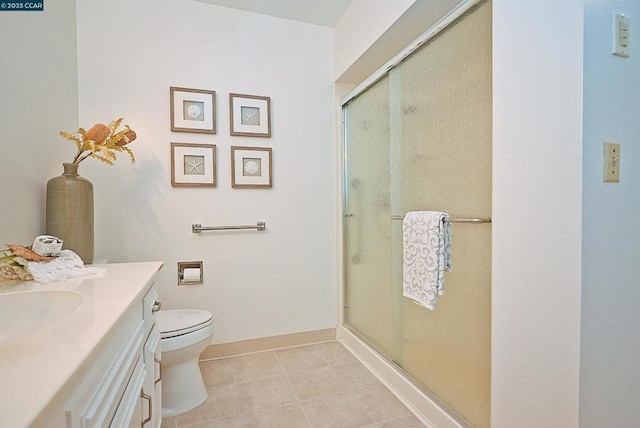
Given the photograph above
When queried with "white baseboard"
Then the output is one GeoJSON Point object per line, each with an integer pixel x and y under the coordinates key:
{"type": "Point", "coordinates": [422, 406]}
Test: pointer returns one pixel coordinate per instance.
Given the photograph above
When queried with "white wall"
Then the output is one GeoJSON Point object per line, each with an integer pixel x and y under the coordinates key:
{"type": "Point", "coordinates": [39, 98]}
{"type": "Point", "coordinates": [364, 22]}
{"type": "Point", "coordinates": [257, 284]}
{"type": "Point", "coordinates": [370, 33]}
{"type": "Point", "coordinates": [537, 167]}
{"type": "Point", "coordinates": [610, 354]}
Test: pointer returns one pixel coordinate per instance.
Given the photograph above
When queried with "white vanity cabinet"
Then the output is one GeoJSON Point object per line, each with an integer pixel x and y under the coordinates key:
{"type": "Point", "coordinates": [152, 386]}
{"type": "Point", "coordinates": [97, 367]}
{"type": "Point", "coordinates": [112, 389]}
{"type": "Point", "coordinates": [124, 388]}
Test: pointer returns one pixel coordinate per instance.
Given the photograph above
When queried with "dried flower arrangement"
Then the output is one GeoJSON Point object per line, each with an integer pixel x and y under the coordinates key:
{"type": "Point", "coordinates": [102, 142]}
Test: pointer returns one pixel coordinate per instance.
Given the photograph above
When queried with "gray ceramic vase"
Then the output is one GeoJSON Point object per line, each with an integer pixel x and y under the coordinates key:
{"type": "Point", "coordinates": [70, 211]}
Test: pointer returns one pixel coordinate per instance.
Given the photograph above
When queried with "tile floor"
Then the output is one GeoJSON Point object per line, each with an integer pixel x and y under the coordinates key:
{"type": "Point", "coordinates": [320, 385]}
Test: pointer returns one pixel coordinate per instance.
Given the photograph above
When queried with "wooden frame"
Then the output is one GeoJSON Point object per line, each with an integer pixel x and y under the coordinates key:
{"type": "Point", "coordinates": [251, 167]}
{"type": "Point", "coordinates": [192, 110]}
{"type": "Point", "coordinates": [250, 115]}
{"type": "Point", "coordinates": [193, 165]}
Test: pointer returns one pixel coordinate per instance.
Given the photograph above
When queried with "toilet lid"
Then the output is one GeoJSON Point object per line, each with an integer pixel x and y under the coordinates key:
{"type": "Point", "coordinates": [175, 322]}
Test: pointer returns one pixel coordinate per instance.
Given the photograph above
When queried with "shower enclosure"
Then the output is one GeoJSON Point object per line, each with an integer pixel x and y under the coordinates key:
{"type": "Point", "coordinates": [419, 138]}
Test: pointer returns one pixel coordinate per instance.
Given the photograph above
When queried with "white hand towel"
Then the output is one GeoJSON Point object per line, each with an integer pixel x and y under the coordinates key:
{"type": "Point", "coordinates": [426, 248]}
{"type": "Point", "coordinates": [67, 265]}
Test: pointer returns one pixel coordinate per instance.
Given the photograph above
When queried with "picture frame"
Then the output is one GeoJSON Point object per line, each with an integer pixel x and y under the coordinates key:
{"type": "Point", "coordinates": [193, 165]}
{"type": "Point", "coordinates": [250, 115]}
{"type": "Point", "coordinates": [192, 110]}
{"type": "Point", "coordinates": [251, 167]}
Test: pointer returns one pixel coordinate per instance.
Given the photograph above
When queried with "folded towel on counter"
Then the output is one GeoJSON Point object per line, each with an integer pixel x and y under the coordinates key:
{"type": "Point", "coordinates": [67, 265]}
{"type": "Point", "coordinates": [426, 248]}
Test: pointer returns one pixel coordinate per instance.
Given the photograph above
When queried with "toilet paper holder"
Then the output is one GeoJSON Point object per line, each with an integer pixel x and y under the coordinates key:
{"type": "Point", "coordinates": [187, 268]}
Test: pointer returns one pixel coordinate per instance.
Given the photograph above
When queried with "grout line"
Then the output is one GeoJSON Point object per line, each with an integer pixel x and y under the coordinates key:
{"type": "Point", "coordinates": [306, 418]}
{"type": "Point", "coordinates": [293, 390]}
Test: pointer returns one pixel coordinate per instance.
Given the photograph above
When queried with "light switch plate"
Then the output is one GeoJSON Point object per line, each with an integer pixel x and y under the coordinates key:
{"type": "Point", "coordinates": [621, 35]}
{"type": "Point", "coordinates": [611, 171]}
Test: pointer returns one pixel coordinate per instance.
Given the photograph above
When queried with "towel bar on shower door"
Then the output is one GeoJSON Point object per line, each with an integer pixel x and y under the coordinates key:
{"type": "Point", "coordinates": [453, 219]}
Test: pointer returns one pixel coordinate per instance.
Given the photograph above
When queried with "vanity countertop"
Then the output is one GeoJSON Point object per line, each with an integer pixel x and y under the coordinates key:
{"type": "Point", "coordinates": [34, 368]}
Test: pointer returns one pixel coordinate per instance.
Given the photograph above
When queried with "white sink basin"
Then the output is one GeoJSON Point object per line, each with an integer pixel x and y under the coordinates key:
{"type": "Point", "coordinates": [25, 312]}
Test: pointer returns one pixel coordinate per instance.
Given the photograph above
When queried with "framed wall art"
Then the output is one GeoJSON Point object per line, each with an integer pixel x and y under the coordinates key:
{"type": "Point", "coordinates": [193, 165]}
{"type": "Point", "coordinates": [250, 115]}
{"type": "Point", "coordinates": [251, 167]}
{"type": "Point", "coordinates": [193, 110]}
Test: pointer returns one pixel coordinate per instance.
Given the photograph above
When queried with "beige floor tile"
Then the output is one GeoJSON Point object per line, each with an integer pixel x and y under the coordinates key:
{"type": "Point", "coordinates": [289, 416]}
{"type": "Point", "coordinates": [224, 422]}
{"type": "Point", "coordinates": [222, 402]}
{"type": "Point", "coordinates": [317, 383]}
{"type": "Point", "coordinates": [169, 423]}
{"type": "Point", "coordinates": [320, 385]}
{"type": "Point", "coordinates": [218, 372]}
{"type": "Point", "coordinates": [379, 404]}
{"type": "Point", "coordinates": [335, 353]}
{"type": "Point", "coordinates": [335, 411]}
{"type": "Point", "coordinates": [356, 376]}
{"type": "Point", "coordinates": [265, 393]}
{"type": "Point", "coordinates": [406, 422]}
{"type": "Point", "coordinates": [300, 358]}
{"type": "Point", "coordinates": [262, 365]}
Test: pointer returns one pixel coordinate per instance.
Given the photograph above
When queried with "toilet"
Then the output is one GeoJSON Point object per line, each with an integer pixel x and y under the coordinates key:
{"type": "Point", "coordinates": [184, 334]}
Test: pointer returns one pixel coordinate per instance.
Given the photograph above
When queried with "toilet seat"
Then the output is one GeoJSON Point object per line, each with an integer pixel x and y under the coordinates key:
{"type": "Point", "coordinates": [178, 322]}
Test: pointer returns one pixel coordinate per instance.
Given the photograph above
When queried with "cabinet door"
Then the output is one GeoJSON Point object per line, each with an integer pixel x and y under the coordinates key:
{"type": "Point", "coordinates": [128, 413]}
{"type": "Point", "coordinates": [153, 383]}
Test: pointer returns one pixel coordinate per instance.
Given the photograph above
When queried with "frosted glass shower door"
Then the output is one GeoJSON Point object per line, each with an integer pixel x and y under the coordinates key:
{"type": "Point", "coordinates": [420, 139]}
{"type": "Point", "coordinates": [367, 231]}
{"type": "Point", "coordinates": [441, 140]}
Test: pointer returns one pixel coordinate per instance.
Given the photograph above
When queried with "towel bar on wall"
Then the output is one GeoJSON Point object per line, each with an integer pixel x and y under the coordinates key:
{"type": "Point", "coordinates": [260, 226]}
{"type": "Point", "coordinates": [453, 219]}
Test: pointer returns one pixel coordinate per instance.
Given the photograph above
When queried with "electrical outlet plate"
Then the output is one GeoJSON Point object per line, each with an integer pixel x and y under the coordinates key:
{"type": "Point", "coordinates": [611, 171]}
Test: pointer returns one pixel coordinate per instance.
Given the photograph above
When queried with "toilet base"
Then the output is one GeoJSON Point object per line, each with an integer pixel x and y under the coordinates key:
{"type": "Point", "coordinates": [182, 388]}
{"type": "Point", "coordinates": [182, 384]}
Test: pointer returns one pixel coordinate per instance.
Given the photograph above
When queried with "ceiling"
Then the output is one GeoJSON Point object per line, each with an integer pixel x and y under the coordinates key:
{"type": "Point", "coordinates": [318, 12]}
